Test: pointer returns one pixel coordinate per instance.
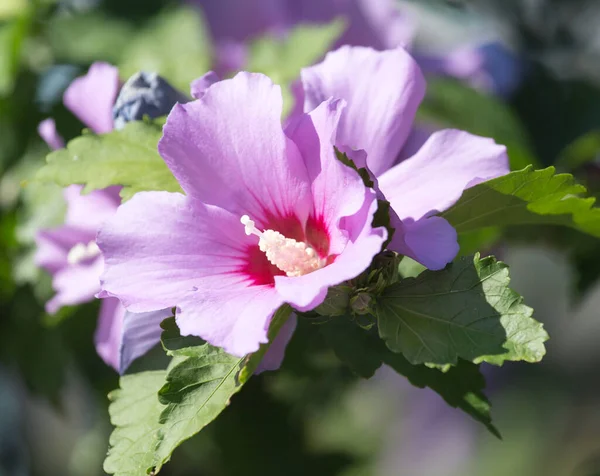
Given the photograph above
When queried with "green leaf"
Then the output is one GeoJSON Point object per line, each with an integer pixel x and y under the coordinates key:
{"type": "Point", "coordinates": [282, 60]}
{"type": "Point", "coordinates": [526, 197]}
{"type": "Point", "coordinates": [135, 412]}
{"type": "Point", "coordinates": [174, 405]}
{"type": "Point", "coordinates": [583, 150]}
{"type": "Point", "coordinates": [461, 386]}
{"type": "Point", "coordinates": [464, 311]}
{"type": "Point", "coordinates": [174, 45]}
{"type": "Point", "coordinates": [450, 103]}
{"type": "Point", "coordinates": [85, 38]}
{"type": "Point", "coordinates": [12, 38]}
{"type": "Point", "coordinates": [128, 157]}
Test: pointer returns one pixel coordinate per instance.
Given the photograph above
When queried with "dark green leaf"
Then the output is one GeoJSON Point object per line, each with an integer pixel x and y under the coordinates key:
{"type": "Point", "coordinates": [526, 197]}
{"type": "Point", "coordinates": [461, 386]}
{"type": "Point", "coordinates": [583, 150]}
{"type": "Point", "coordinates": [465, 311]}
{"type": "Point", "coordinates": [128, 157]}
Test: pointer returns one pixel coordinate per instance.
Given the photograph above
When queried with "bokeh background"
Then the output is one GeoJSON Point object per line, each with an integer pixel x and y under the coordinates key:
{"type": "Point", "coordinates": [526, 72]}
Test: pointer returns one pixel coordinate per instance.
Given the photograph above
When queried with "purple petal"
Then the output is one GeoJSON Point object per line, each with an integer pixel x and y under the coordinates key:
{"type": "Point", "coordinates": [75, 284]}
{"type": "Point", "coordinates": [109, 331]}
{"type": "Point", "coordinates": [53, 246]}
{"type": "Point", "coordinates": [273, 358]}
{"type": "Point", "coordinates": [228, 149]}
{"type": "Point", "coordinates": [434, 178]}
{"type": "Point", "coordinates": [337, 190]}
{"type": "Point", "coordinates": [122, 336]}
{"type": "Point", "coordinates": [91, 97]}
{"type": "Point", "coordinates": [235, 318]}
{"type": "Point", "coordinates": [141, 332]}
{"type": "Point", "coordinates": [431, 241]}
{"type": "Point", "coordinates": [383, 91]}
{"type": "Point", "coordinates": [200, 85]}
{"type": "Point", "coordinates": [185, 245]}
{"type": "Point", "coordinates": [306, 292]}
{"type": "Point", "coordinates": [47, 131]}
{"type": "Point", "coordinates": [90, 211]}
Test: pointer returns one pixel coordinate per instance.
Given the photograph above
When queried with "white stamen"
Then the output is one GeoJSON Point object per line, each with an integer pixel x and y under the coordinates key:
{"type": "Point", "coordinates": [81, 252]}
{"type": "Point", "coordinates": [295, 258]}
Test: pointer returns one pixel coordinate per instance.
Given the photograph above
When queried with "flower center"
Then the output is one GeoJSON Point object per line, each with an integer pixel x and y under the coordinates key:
{"type": "Point", "coordinates": [294, 258]}
{"type": "Point", "coordinates": [82, 252]}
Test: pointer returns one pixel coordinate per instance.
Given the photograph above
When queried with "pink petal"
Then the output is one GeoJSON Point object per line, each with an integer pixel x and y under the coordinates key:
{"type": "Point", "coordinates": [306, 292]}
{"type": "Point", "coordinates": [75, 284]}
{"type": "Point", "coordinates": [228, 149]}
{"type": "Point", "coordinates": [434, 178]}
{"type": "Point", "coordinates": [161, 246]}
{"type": "Point", "coordinates": [337, 190]}
{"type": "Point", "coordinates": [109, 331]}
{"type": "Point", "coordinates": [53, 246]}
{"type": "Point", "coordinates": [91, 97]}
{"type": "Point", "coordinates": [200, 85]}
{"type": "Point", "coordinates": [90, 211]}
{"type": "Point", "coordinates": [273, 357]}
{"type": "Point", "coordinates": [383, 91]}
{"type": "Point", "coordinates": [47, 131]}
{"type": "Point", "coordinates": [235, 318]}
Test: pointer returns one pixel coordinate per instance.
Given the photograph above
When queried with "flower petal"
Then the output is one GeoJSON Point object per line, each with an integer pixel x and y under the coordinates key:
{"type": "Point", "coordinates": [200, 85]}
{"type": "Point", "coordinates": [184, 245]}
{"type": "Point", "coordinates": [90, 211]}
{"type": "Point", "coordinates": [431, 241]}
{"type": "Point", "coordinates": [383, 91]}
{"type": "Point", "coordinates": [47, 131]}
{"type": "Point", "coordinates": [141, 331]}
{"type": "Point", "coordinates": [306, 292]}
{"type": "Point", "coordinates": [337, 190]}
{"type": "Point", "coordinates": [235, 318]}
{"type": "Point", "coordinates": [91, 97]}
{"type": "Point", "coordinates": [109, 331]}
{"type": "Point", "coordinates": [274, 355]}
{"type": "Point", "coordinates": [228, 149]}
{"type": "Point", "coordinates": [75, 284]}
{"type": "Point", "coordinates": [53, 246]}
{"type": "Point", "coordinates": [434, 178]}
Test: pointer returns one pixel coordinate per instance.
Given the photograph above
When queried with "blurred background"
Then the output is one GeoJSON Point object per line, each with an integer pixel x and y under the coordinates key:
{"type": "Point", "coordinates": [526, 72]}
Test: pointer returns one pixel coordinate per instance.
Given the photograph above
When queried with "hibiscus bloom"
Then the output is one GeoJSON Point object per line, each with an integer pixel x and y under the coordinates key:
{"type": "Point", "coordinates": [420, 174]}
{"type": "Point", "coordinates": [69, 252]}
{"type": "Point", "coordinates": [268, 217]}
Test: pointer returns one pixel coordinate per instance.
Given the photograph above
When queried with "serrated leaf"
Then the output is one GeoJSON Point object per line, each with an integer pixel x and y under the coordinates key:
{"type": "Point", "coordinates": [526, 197]}
{"type": "Point", "coordinates": [465, 311]}
{"type": "Point", "coordinates": [174, 45]}
{"type": "Point", "coordinates": [450, 103]}
{"type": "Point", "coordinates": [135, 412]}
{"type": "Point", "coordinates": [178, 403]}
{"type": "Point", "coordinates": [461, 386]}
{"type": "Point", "coordinates": [128, 157]}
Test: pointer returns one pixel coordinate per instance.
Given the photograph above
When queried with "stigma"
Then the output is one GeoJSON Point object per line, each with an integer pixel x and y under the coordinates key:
{"type": "Point", "coordinates": [82, 252]}
{"type": "Point", "coordinates": [294, 258]}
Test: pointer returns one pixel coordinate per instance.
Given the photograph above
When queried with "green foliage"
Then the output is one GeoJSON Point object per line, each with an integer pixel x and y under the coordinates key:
{"type": "Point", "coordinates": [449, 103]}
{"type": "Point", "coordinates": [175, 405]}
{"type": "Point", "coordinates": [461, 386]}
{"type": "Point", "coordinates": [526, 197]}
{"type": "Point", "coordinates": [282, 60]}
{"type": "Point", "coordinates": [464, 311]}
{"type": "Point", "coordinates": [86, 38]}
{"type": "Point", "coordinates": [128, 157]}
{"type": "Point", "coordinates": [135, 412]}
{"type": "Point", "coordinates": [583, 150]}
{"type": "Point", "coordinates": [174, 45]}
{"type": "Point", "coordinates": [12, 38]}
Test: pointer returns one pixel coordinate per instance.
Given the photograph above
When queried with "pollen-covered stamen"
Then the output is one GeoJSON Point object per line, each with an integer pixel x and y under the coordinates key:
{"type": "Point", "coordinates": [82, 252]}
{"type": "Point", "coordinates": [295, 258]}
